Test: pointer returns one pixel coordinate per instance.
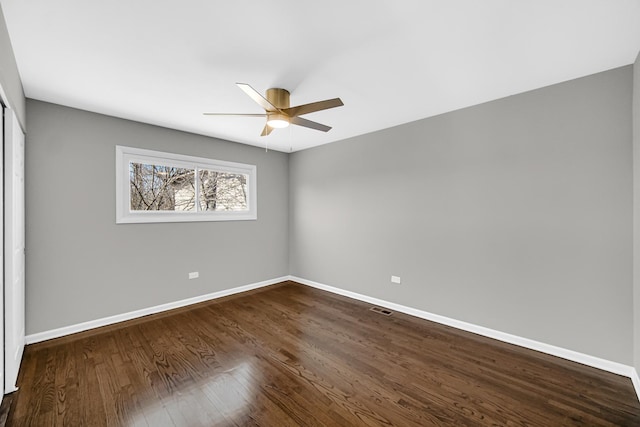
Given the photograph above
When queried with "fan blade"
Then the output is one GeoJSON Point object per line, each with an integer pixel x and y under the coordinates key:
{"type": "Point", "coordinates": [309, 124]}
{"type": "Point", "coordinates": [255, 95]}
{"type": "Point", "coordinates": [313, 107]}
{"type": "Point", "coordinates": [234, 114]}
{"type": "Point", "coordinates": [266, 131]}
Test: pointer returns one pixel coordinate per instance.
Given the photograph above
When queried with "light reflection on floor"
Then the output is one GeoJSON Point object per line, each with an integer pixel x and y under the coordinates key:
{"type": "Point", "coordinates": [225, 396]}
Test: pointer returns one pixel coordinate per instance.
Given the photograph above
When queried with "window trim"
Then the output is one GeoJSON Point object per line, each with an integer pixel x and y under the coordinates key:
{"type": "Point", "coordinates": [124, 215]}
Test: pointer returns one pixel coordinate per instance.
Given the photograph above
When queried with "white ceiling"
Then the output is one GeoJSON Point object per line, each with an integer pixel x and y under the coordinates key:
{"type": "Point", "coordinates": [165, 62]}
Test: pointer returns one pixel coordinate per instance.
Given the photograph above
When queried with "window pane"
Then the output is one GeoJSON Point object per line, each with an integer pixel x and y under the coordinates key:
{"type": "Point", "coordinates": [161, 188]}
{"type": "Point", "coordinates": [222, 191]}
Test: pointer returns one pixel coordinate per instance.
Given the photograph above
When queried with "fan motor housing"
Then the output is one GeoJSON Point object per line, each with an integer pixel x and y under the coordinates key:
{"type": "Point", "coordinates": [278, 97]}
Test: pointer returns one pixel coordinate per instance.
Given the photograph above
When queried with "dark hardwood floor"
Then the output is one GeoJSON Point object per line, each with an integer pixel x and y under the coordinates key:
{"type": "Point", "coordinates": [290, 355]}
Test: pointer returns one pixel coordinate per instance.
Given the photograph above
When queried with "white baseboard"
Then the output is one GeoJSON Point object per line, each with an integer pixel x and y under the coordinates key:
{"type": "Point", "coordinates": [585, 359]}
{"type": "Point", "coordinates": [80, 327]}
{"type": "Point", "coordinates": [635, 379]}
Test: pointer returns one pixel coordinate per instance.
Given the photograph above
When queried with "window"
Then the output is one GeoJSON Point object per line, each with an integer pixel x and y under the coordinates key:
{"type": "Point", "coordinates": [152, 186]}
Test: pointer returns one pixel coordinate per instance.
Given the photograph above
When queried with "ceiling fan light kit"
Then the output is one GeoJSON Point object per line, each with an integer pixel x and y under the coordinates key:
{"type": "Point", "coordinates": [277, 120]}
{"type": "Point", "coordinates": [278, 111]}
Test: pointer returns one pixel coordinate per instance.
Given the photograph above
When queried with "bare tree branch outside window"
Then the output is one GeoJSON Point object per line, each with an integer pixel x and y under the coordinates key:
{"type": "Point", "coordinates": [161, 188]}
{"type": "Point", "coordinates": [166, 188]}
{"type": "Point", "coordinates": [220, 191]}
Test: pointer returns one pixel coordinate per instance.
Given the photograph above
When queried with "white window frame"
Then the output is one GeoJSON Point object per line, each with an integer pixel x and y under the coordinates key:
{"type": "Point", "coordinates": [124, 214]}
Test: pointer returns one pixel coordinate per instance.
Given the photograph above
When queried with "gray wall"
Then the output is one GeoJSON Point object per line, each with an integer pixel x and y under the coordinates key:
{"type": "Point", "coordinates": [82, 266]}
{"type": "Point", "coordinates": [515, 215]}
{"type": "Point", "coordinates": [9, 77]}
{"type": "Point", "coordinates": [636, 212]}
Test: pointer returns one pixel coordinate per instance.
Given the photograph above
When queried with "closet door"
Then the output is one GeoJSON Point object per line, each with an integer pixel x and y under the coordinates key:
{"type": "Point", "coordinates": [14, 249]}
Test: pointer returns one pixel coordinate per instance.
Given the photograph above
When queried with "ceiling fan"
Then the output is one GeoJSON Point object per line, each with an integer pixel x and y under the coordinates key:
{"type": "Point", "coordinates": [278, 112]}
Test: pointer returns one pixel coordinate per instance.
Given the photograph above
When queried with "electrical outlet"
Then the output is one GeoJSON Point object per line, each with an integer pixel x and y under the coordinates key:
{"type": "Point", "coordinates": [395, 279]}
{"type": "Point", "coordinates": [194, 275]}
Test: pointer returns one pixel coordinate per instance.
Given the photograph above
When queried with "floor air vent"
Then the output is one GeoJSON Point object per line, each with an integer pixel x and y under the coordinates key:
{"type": "Point", "coordinates": [381, 310]}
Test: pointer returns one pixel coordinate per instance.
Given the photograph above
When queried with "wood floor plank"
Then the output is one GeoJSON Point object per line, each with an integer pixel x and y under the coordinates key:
{"type": "Point", "coordinates": [290, 355]}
